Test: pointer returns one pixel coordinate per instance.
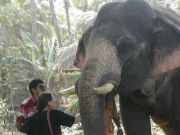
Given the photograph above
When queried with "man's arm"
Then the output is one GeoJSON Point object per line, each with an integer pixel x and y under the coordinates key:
{"type": "Point", "coordinates": [20, 117]}
{"type": "Point", "coordinates": [18, 125]}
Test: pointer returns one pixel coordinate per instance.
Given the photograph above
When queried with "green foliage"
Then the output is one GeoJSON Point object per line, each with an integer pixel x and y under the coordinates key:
{"type": "Point", "coordinates": [28, 42]}
{"type": "Point", "coordinates": [67, 79]}
{"type": "Point", "coordinates": [2, 106]}
{"type": "Point", "coordinates": [9, 13]}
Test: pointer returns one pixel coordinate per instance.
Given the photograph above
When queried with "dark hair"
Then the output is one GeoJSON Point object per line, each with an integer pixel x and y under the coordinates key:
{"type": "Point", "coordinates": [43, 100]}
{"type": "Point", "coordinates": [34, 83]}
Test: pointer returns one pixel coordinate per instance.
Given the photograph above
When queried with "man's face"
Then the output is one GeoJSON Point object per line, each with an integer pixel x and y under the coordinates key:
{"type": "Point", "coordinates": [39, 89]}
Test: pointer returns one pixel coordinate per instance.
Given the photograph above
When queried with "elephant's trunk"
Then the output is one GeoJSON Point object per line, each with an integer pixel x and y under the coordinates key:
{"type": "Point", "coordinates": [92, 119]}
{"type": "Point", "coordinates": [91, 104]}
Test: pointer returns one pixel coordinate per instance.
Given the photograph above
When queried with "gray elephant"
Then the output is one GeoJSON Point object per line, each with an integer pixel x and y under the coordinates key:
{"type": "Point", "coordinates": [132, 49]}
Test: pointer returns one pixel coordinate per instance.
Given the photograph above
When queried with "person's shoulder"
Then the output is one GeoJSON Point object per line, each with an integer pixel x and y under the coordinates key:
{"type": "Point", "coordinates": [57, 112]}
{"type": "Point", "coordinates": [27, 101]}
{"type": "Point", "coordinates": [35, 117]}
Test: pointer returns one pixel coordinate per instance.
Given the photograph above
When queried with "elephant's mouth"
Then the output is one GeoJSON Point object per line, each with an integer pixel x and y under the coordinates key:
{"type": "Point", "coordinates": [104, 79]}
{"type": "Point", "coordinates": [108, 82]}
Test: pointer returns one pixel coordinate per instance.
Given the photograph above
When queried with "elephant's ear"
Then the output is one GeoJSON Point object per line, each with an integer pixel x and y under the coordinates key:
{"type": "Point", "coordinates": [166, 43]}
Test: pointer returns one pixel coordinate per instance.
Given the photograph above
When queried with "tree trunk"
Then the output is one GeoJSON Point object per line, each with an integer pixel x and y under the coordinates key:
{"type": "Point", "coordinates": [66, 5]}
{"type": "Point", "coordinates": [55, 23]}
{"type": "Point", "coordinates": [4, 91]}
{"type": "Point", "coordinates": [33, 22]}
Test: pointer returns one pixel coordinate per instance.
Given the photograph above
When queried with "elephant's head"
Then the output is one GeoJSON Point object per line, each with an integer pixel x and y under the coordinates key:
{"type": "Point", "coordinates": [121, 51]}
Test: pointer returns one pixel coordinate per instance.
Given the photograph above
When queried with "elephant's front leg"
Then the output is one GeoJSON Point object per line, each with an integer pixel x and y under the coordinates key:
{"type": "Point", "coordinates": [135, 118]}
{"type": "Point", "coordinates": [111, 115]}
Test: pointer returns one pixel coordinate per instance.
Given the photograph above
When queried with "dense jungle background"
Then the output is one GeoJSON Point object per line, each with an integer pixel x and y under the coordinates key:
{"type": "Point", "coordinates": [38, 39]}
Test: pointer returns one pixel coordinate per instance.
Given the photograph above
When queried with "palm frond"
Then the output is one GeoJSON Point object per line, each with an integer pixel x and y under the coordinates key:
{"type": "Point", "coordinates": [65, 56]}
{"type": "Point", "coordinates": [44, 28]}
{"type": "Point", "coordinates": [28, 42]}
{"type": "Point", "coordinates": [52, 52]}
{"type": "Point", "coordinates": [9, 60]}
{"type": "Point", "coordinates": [41, 57]}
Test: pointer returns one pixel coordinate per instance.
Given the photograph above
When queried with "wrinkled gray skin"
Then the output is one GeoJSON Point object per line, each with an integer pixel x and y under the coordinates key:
{"type": "Point", "coordinates": [136, 47]}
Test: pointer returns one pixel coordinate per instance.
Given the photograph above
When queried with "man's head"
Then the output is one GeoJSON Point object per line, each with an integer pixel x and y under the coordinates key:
{"type": "Point", "coordinates": [36, 87]}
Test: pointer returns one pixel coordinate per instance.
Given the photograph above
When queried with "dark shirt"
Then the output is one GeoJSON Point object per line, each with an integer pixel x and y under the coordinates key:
{"type": "Point", "coordinates": [38, 123]}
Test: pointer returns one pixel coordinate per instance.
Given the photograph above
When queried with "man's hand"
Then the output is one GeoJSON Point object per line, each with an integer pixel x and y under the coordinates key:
{"type": "Point", "coordinates": [77, 119]}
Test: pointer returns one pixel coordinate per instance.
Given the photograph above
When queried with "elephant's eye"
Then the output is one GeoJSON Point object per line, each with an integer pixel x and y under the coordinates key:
{"type": "Point", "coordinates": [126, 47]}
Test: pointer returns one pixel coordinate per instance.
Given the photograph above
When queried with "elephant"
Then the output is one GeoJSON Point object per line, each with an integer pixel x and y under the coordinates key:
{"type": "Point", "coordinates": [133, 50]}
{"type": "Point", "coordinates": [158, 84]}
{"type": "Point", "coordinates": [150, 86]}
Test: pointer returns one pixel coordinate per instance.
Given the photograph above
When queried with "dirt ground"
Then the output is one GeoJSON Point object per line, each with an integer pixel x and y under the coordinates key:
{"type": "Point", "coordinates": [76, 130]}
